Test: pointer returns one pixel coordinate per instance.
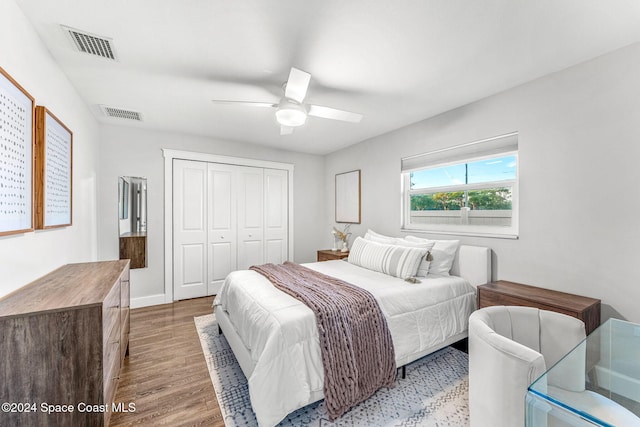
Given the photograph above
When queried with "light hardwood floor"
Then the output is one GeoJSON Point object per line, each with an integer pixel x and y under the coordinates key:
{"type": "Point", "coordinates": [165, 374]}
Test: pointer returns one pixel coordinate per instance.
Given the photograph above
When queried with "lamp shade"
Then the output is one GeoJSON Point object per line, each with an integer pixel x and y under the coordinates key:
{"type": "Point", "coordinates": [290, 113]}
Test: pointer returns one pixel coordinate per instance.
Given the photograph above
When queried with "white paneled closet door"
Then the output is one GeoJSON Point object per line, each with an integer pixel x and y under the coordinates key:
{"type": "Point", "coordinates": [189, 229]}
{"type": "Point", "coordinates": [222, 236]}
{"type": "Point", "coordinates": [276, 215]}
{"type": "Point", "coordinates": [225, 218]}
{"type": "Point", "coordinates": [250, 217]}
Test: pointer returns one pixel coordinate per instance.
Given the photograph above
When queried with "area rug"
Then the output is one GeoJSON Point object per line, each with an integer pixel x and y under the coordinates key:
{"type": "Point", "coordinates": [433, 394]}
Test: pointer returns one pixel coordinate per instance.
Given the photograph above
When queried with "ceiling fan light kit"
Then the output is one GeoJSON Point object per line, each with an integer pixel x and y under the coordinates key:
{"type": "Point", "coordinates": [290, 113]}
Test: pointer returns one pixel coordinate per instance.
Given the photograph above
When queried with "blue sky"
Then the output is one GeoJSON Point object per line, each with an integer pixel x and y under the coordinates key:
{"type": "Point", "coordinates": [495, 169]}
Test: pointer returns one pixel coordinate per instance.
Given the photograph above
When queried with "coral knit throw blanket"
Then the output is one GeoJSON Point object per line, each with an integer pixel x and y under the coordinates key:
{"type": "Point", "coordinates": [357, 351]}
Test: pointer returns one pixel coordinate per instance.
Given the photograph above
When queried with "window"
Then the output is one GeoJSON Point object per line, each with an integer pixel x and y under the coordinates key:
{"type": "Point", "coordinates": [468, 189]}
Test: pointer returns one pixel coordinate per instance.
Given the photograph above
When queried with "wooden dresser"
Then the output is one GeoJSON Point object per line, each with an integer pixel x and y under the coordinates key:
{"type": "Point", "coordinates": [63, 339]}
{"type": "Point", "coordinates": [510, 293]}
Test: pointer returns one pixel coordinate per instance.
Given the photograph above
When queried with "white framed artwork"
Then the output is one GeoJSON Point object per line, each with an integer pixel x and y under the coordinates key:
{"type": "Point", "coordinates": [16, 156]}
{"type": "Point", "coordinates": [53, 189]}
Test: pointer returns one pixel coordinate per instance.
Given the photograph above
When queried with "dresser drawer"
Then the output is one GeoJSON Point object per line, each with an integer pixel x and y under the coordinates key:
{"type": "Point", "coordinates": [111, 377]}
{"type": "Point", "coordinates": [111, 351]}
{"type": "Point", "coordinates": [111, 315]}
{"type": "Point", "coordinates": [125, 292]}
{"type": "Point", "coordinates": [125, 273]}
{"type": "Point", "coordinates": [328, 255]}
{"type": "Point", "coordinates": [324, 257]}
{"type": "Point", "coordinates": [125, 298]}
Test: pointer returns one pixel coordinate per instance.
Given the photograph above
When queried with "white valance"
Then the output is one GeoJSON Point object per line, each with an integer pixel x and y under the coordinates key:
{"type": "Point", "coordinates": [483, 148]}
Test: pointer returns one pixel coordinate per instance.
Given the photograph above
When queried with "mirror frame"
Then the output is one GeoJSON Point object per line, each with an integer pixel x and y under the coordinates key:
{"type": "Point", "coordinates": [133, 215]}
{"type": "Point", "coordinates": [348, 206]}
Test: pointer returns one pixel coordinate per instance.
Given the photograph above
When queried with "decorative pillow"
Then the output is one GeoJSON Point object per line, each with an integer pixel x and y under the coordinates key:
{"type": "Point", "coordinates": [398, 261]}
{"type": "Point", "coordinates": [423, 268]}
{"type": "Point", "coordinates": [443, 254]}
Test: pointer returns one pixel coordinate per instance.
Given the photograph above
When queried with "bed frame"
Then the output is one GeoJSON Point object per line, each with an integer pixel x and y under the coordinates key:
{"type": "Point", "coordinates": [472, 263]}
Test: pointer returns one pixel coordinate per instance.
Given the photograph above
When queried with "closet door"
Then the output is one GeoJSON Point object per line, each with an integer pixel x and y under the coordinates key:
{"type": "Point", "coordinates": [250, 217]}
{"type": "Point", "coordinates": [222, 224]}
{"type": "Point", "coordinates": [189, 229]}
{"type": "Point", "coordinates": [276, 215]}
{"type": "Point", "coordinates": [225, 218]}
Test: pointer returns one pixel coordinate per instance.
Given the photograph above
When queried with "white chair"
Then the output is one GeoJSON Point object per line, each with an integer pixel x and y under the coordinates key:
{"type": "Point", "coordinates": [509, 348]}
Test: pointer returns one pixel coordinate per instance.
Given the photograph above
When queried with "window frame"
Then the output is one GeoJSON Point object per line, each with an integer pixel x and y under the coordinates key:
{"type": "Point", "coordinates": [510, 232]}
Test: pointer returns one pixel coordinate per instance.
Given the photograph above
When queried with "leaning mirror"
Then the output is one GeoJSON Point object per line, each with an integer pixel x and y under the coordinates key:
{"type": "Point", "coordinates": [132, 220]}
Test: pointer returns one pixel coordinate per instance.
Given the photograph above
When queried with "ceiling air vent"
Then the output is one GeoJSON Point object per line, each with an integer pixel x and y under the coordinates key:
{"type": "Point", "coordinates": [91, 43]}
{"type": "Point", "coordinates": [121, 113]}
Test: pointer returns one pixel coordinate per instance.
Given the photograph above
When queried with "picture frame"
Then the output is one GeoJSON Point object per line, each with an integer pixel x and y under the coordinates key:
{"type": "Point", "coordinates": [17, 144]}
{"type": "Point", "coordinates": [348, 208]}
{"type": "Point", "coordinates": [54, 171]}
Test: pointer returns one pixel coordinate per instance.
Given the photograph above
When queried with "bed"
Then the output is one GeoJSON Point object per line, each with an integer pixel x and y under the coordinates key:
{"type": "Point", "coordinates": [275, 340]}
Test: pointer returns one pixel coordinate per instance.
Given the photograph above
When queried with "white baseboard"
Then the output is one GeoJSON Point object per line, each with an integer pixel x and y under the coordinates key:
{"type": "Point", "coordinates": [148, 300]}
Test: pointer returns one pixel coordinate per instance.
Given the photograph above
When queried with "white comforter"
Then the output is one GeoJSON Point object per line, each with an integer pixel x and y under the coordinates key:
{"type": "Point", "coordinates": [281, 333]}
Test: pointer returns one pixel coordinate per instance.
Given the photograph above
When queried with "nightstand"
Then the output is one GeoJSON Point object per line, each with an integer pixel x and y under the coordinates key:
{"type": "Point", "coordinates": [328, 255]}
{"type": "Point", "coordinates": [509, 293]}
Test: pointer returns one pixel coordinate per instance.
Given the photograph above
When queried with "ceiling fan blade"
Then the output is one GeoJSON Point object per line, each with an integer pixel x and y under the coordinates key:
{"type": "Point", "coordinates": [286, 130]}
{"type": "Point", "coordinates": [297, 85]}
{"type": "Point", "coordinates": [244, 103]}
{"type": "Point", "coordinates": [332, 113]}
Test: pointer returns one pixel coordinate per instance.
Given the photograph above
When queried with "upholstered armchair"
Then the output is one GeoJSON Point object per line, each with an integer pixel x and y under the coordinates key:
{"type": "Point", "coordinates": [509, 348]}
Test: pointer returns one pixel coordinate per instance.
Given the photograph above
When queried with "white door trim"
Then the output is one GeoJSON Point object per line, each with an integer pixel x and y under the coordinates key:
{"type": "Point", "coordinates": [169, 155]}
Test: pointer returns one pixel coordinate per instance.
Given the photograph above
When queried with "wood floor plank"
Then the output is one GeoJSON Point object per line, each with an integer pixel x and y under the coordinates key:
{"type": "Point", "coordinates": [165, 374]}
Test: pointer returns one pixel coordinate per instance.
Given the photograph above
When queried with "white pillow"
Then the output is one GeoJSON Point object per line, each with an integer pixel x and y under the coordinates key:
{"type": "Point", "coordinates": [379, 238]}
{"type": "Point", "coordinates": [398, 261]}
{"type": "Point", "coordinates": [423, 268]}
{"type": "Point", "coordinates": [443, 254]}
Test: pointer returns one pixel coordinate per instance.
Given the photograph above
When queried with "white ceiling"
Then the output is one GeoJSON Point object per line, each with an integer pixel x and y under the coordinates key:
{"type": "Point", "coordinates": [396, 62]}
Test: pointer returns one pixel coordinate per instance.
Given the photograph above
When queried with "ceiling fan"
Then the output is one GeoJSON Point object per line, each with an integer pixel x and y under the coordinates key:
{"type": "Point", "coordinates": [291, 111]}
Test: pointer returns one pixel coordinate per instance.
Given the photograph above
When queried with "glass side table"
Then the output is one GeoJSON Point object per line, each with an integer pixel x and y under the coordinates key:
{"type": "Point", "coordinates": [597, 383]}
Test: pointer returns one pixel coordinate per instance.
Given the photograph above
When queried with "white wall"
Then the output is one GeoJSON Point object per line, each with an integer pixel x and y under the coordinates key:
{"type": "Point", "coordinates": [127, 151]}
{"type": "Point", "coordinates": [25, 257]}
{"type": "Point", "coordinates": [579, 147]}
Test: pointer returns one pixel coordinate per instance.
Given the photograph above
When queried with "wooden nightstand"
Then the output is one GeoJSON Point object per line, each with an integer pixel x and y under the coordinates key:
{"type": "Point", "coordinates": [509, 293]}
{"type": "Point", "coordinates": [328, 255]}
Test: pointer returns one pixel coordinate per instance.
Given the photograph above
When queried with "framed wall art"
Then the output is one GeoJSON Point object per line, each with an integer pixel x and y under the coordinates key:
{"type": "Point", "coordinates": [53, 183]}
{"type": "Point", "coordinates": [16, 156]}
{"type": "Point", "coordinates": [348, 197]}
